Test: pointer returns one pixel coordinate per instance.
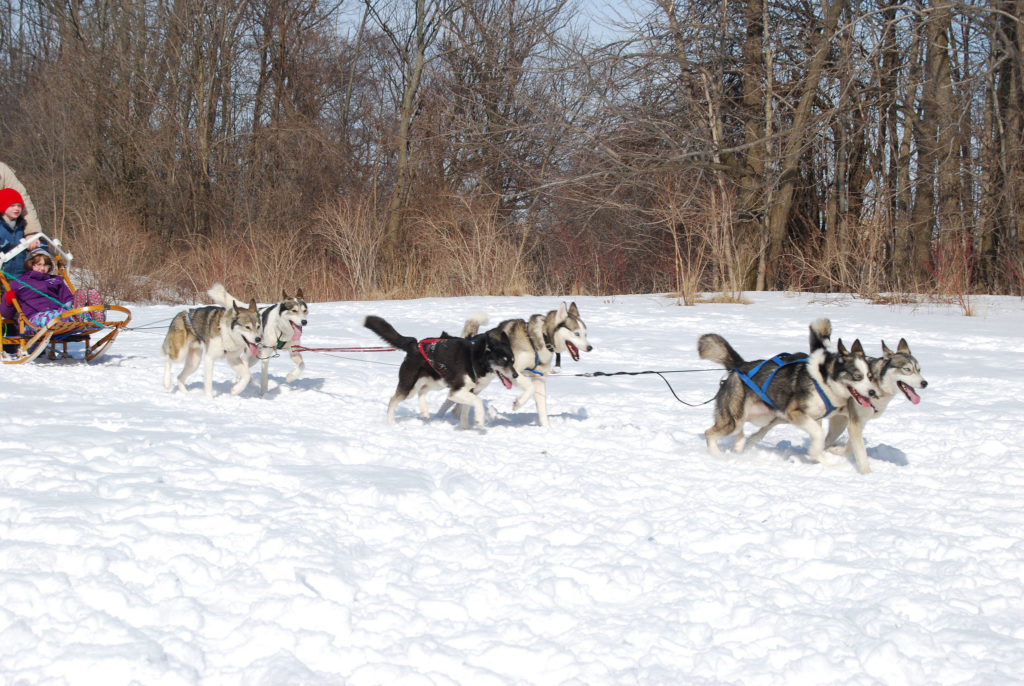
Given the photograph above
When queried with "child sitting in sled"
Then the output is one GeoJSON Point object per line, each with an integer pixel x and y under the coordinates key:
{"type": "Point", "coordinates": [44, 295]}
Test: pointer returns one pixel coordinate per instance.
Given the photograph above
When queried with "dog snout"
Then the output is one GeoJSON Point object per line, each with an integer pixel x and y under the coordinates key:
{"type": "Point", "coordinates": [303, 322]}
{"type": "Point", "coordinates": [924, 384]}
{"type": "Point", "coordinates": [589, 347]}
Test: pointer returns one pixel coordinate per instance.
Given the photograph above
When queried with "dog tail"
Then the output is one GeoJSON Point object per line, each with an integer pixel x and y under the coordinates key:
{"type": "Point", "coordinates": [714, 348]}
{"type": "Point", "coordinates": [388, 333]}
{"type": "Point", "coordinates": [220, 296]}
{"type": "Point", "coordinates": [821, 335]}
{"type": "Point", "coordinates": [473, 324]}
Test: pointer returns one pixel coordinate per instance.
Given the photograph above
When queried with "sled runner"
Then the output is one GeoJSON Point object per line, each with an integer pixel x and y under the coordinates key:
{"type": "Point", "coordinates": [95, 325]}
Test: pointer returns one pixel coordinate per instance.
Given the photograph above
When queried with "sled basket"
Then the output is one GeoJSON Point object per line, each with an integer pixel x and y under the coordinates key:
{"type": "Point", "coordinates": [94, 325]}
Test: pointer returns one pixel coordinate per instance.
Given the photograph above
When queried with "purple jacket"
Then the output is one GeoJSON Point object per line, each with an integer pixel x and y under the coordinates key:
{"type": "Point", "coordinates": [31, 287]}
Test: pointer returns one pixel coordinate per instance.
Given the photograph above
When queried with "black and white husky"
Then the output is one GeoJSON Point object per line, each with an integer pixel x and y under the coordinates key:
{"type": "Point", "coordinates": [535, 343]}
{"type": "Point", "coordinates": [209, 333]}
{"type": "Point", "coordinates": [799, 389]}
{"type": "Point", "coordinates": [282, 324]}
{"type": "Point", "coordinates": [446, 362]}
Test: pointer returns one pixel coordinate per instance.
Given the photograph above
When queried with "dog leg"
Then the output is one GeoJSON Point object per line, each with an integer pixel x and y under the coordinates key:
{"type": "Point", "coordinates": [167, 373]}
{"type": "Point", "coordinates": [299, 366]}
{"type": "Point", "coordinates": [192, 359]}
{"type": "Point", "coordinates": [264, 376]}
{"type": "Point", "coordinates": [836, 425]}
{"type": "Point", "coordinates": [241, 372]}
{"type": "Point", "coordinates": [756, 437]}
{"type": "Point", "coordinates": [424, 410]}
{"type": "Point", "coordinates": [526, 382]}
{"type": "Point", "coordinates": [393, 403]}
{"type": "Point", "coordinates": [465, 396]}
{"type": "Point", "coordinates": [540, 398]}
{"type": "Point", "coordinates": [208, 374]}
{"type": "Point", "coordinates": [816, 448]}
{"type": "Point", "coordinates": [856, 441]}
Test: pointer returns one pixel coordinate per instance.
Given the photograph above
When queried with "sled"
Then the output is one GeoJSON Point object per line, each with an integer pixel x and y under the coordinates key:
{"type": "Point", "coordinates": [96, 326]}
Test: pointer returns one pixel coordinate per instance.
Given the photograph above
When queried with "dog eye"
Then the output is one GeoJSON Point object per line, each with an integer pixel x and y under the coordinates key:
{"type": "Point", "coordinates": [857, 376]}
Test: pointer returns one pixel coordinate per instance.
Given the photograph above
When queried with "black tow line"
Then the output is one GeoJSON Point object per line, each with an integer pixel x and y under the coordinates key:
{"type": "Point", "coordinates": [660, 374]}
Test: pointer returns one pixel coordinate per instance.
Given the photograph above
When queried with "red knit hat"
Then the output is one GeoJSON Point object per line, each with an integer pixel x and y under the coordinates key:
{"type": "Point", "coordinates": [8, 197]}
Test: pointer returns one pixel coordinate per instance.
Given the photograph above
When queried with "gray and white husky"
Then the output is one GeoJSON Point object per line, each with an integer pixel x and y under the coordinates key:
{"type": "Point", "coordinates": [893, 373]}
{"type": "Point", "coordinates": [282, 325]}
{"type": "Point", "coordinates": [535, 343]}
{"type": "Point", "coordinates": [801, 390]}
{"type": "Point", "coordinates": [210, 333]}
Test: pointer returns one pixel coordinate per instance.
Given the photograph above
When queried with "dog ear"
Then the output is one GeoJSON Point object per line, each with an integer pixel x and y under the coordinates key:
{"type": "Point", "coordinates": [299, 294]}
{"type": "Point", "coordinates": [842, 348]}
{"type": "Point", "coordinates": [284, 294]}
{"type": "Point", "coordinates": [562, 314]}
{"type": "Point", "coordinates": [903, 347]}
{"type": "Point", "coordinates": [252, 304]}
{"type": "Point", "coordinates": [573, 310]}
{"type": "Point", "coordinates": [886, 351]}
{"type": "Point", "coordinates": [857, 348]}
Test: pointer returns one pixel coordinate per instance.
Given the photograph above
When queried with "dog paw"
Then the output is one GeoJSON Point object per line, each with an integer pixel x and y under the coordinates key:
{"type": "Point", "coordinates": [826, 460]}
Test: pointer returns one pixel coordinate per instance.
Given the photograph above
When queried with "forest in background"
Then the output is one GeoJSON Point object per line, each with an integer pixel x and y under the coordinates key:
{"type": "Point", "coordinates": [403, 148]}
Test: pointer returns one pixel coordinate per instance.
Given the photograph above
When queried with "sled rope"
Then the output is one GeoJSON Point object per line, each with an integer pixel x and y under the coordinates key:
{"type": "Point", "coordinates": [661, 375]}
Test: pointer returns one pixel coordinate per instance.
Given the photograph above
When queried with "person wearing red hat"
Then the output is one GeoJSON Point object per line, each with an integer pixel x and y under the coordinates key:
{"type": "Point", "coordinates": [12, 230]}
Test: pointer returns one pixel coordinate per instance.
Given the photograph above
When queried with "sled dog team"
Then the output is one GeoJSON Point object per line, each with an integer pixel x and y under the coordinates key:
{"type": "Point", "coordinates": [846, 386]}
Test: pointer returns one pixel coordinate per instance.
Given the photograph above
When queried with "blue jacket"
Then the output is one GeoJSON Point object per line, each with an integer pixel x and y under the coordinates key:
{"type": "Point", "coordinates": [9, 237]}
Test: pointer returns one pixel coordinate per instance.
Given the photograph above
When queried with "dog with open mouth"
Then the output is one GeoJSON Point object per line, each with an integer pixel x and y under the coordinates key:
{"type": "Point", "coordinates": [798, 388]}
{"type": "Point", "coordinates": [535, 342]}
{"type": "Point", "coordinates": [457, 364]}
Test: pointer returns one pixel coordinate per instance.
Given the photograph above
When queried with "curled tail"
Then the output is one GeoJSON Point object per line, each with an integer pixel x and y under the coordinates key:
{"type": "Point", "coordinates": [388, 333]}
{"type": "Point", "coordinates": [220, 296]}
{"type": "Point", "coordinates": [473, 324]}
{"type": "Point", "coordinates": [713, 347]}
{"type": "Point", "coordinates": [820, 335]}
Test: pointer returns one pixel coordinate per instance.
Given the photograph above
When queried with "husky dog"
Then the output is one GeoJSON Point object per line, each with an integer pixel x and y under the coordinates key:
{"type": "Point", "coordinates": [891, 374]}
{"type": "Point", "coordinates": [446, 362]}
{"type": "Point", "coordinates": [212, 332]}
{"type": "Point", "coordinates": [797, 389]}
{"type": "Point", "coordinates": [535, 343]}
{"type": "Point", "coordinates": [282, 330]}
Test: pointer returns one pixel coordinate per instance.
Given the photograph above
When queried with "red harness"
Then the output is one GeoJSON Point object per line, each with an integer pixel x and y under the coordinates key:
{"type": "Point", "coordinates": [431, 344]}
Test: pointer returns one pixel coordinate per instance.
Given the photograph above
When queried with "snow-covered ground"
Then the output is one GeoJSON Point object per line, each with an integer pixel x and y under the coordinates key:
{"type": "Point", "coordinates": [163, 538]}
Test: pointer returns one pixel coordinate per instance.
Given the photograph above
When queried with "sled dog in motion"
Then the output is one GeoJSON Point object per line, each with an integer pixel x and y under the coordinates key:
{"type": "Point", "coordinates": [797, 389]}
{"type": "Point", "coordinates": [446, 362]}
{"type": "Point", "coordinates": [535, 343]}
{"type": "Point", "coordinates": [891, 374]}
{"type": "Point", "coordinates": [209, 333]}
{"type": "Point", "coordinates": [282, 331]}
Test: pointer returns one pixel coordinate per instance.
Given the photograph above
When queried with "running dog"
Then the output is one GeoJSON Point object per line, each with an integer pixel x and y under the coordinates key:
{"type": "Point", "coordinates": [210, 333]}
{"type": "Point", "coordinates": [535, 343]}
{"type": "Point", "coordinates": [457, 364]}
{"type": "Point", "coordinates": [282, 331]}
{"type": "Point", "coordinates": [795, 388]}
{"type": "Point", "coordinates": [893, 373]}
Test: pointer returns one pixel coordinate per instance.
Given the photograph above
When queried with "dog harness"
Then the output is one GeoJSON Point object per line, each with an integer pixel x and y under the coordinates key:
{"type": "Point", "coordinates": [428, 349]}
{"type": "Point", "coordinates": [762, 390]}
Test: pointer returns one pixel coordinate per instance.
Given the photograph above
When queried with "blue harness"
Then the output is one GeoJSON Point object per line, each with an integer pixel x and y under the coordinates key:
{"type": "Point", "coordinates": [762, 390]}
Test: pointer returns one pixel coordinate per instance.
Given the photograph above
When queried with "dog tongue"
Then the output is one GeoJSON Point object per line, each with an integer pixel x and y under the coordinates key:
{"type": "Point", "coordinates": [911, 394]}
{"type": "Point", "coordinates": [505, 380]}
{"type": "Point", "coordinates": [296, 333]}
{"type": "Point", "coordinates": [253, 350]}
